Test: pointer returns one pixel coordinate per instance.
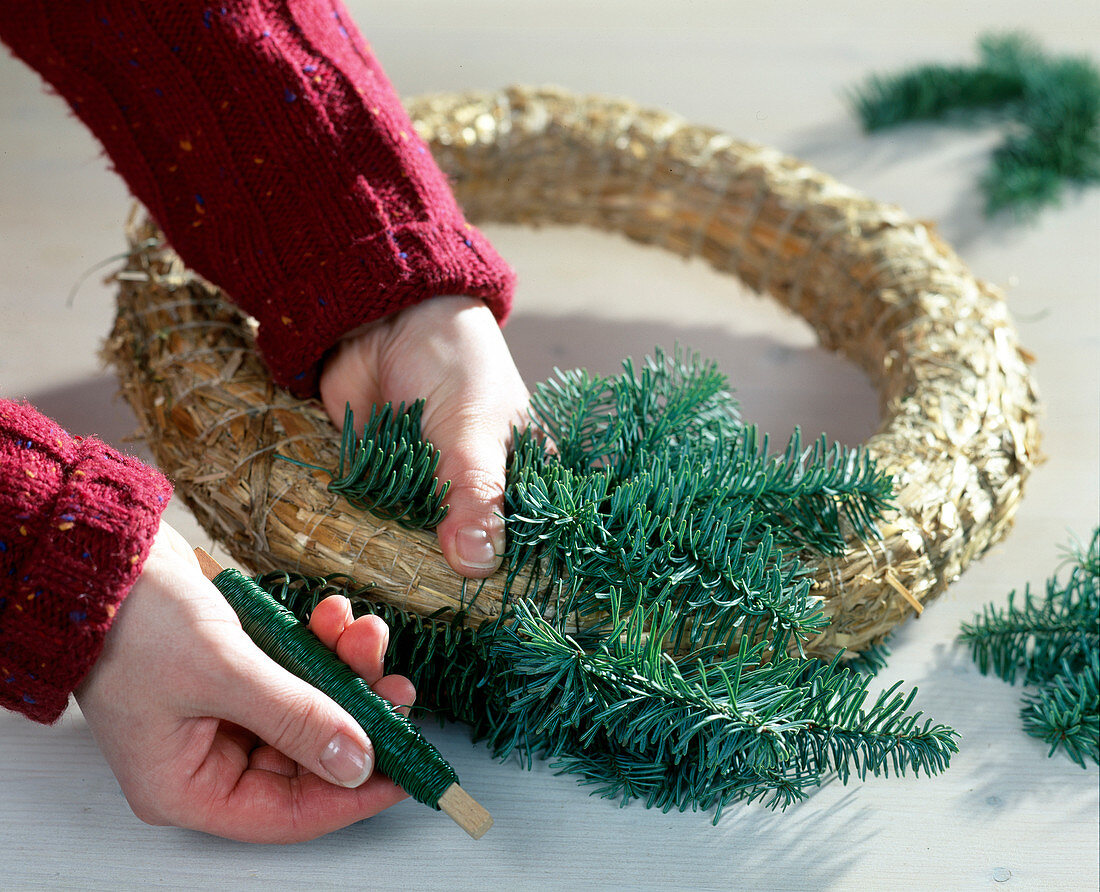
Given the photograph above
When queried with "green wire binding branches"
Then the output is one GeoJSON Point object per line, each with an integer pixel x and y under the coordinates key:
{"type": "Point", "coordinates": [1052, 642]}
{"type": "Point", "coordinates": [650, 648]}
{"type": "Point", "coordinates": [1052, 106]}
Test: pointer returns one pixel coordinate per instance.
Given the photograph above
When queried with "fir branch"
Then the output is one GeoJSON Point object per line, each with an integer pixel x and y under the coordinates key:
{"type": "Point", "coordinates": [1052, 641]}
{"type": "Point", "coordinates": [1058, 142]}
{"type": "Point", "coordinates": [658, 488]}
{"type": "Point", "coordinates": [1035, 639]}
{"type": "Point", "coordinates": [931, 93]}
{"type": "Point", "coordinates": [1051, 104]}
{"type": "Point", "coordinates": [671, 401]}
{"type": "Point", "coordinates": [742, 728]}
{"type": "Point", "coordinates": [873, 658]}
{"type": "Point", "coordinates": [1065, 712]}
{"type": "Point", "coordinates": [934, 92]}
{"type": "Point", "coordinates": [806, 492]}
{"type": "Point", "coordinates": [389, 470]}
{"type": "Point", "coordinates": [647, 535]}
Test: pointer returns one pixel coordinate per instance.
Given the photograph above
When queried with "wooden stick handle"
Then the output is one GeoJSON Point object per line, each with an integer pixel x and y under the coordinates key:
{"type": "Point", "coordinates": [462, 808]}
{"type": "Point", "coordinates": [210, 567]}
{"type": "Point", "coordinates": [465, 811]}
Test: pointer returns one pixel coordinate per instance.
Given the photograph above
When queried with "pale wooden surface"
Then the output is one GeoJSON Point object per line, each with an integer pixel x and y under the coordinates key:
{"type": "Point", "coordinates": [1004, 816]}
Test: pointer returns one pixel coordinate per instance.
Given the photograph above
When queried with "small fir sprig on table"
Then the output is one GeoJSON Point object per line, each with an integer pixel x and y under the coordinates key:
{"type": "Point", "coordinates": [657, 600]}
{"type": "Point", "coordinates": [1052, 643]}
{"type": "Point", "coordinates": [1051, 103]}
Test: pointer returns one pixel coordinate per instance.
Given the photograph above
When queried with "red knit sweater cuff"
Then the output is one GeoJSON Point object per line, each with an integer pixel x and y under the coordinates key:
{"type": "Point", "coordinates": [77, 520]}
{"type": "Point", "coordinates": [375, 277]}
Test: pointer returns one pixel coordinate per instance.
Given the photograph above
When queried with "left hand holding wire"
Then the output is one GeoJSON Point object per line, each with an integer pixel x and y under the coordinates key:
{"type": "Point", "coordinates": [204, 731]}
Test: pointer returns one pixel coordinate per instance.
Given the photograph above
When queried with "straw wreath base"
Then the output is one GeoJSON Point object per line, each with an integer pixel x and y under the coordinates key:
{"type": "Point", "coordinates": [958, 404]}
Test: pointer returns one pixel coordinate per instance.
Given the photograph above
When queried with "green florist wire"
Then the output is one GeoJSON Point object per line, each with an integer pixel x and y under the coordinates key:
{"type": "Point", "coordinates": [402, 752]}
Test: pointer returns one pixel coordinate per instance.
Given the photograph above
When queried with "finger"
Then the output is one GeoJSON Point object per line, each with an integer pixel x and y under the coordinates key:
{"type": "Point", "coordinates": [361, 643]}
{"type": "Point", "coordinates": [329, 619]}
{"type": "Point", "coordinates": [275, 807]}
{"type": "Point", "coordinates": [267, 758]}
{"type": "Point", "coordinates": [472, 458]}
{"type": "Point", "coordinates": [398, 690]}
{"type": "Point", "coordinates": [290, 715]}
{"type": "Point", "coordinates": [470, 421]}
{"type": "Point", "coordinates": [363, 646]}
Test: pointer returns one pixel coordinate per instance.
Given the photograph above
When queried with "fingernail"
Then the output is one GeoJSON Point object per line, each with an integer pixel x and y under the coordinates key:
{"type": "Point", "coordinates": [347, 763]}
{"type": "Point", "coordinates": [476, 549]}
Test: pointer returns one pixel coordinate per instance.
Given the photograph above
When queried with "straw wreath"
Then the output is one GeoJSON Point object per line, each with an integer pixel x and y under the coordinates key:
{"type": "Point", "coordinates": [958, 404]}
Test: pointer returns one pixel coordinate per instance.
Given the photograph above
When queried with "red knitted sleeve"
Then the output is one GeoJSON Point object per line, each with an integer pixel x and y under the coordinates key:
{"type": "Point", "coordinates": [76, 523]}
{"type": "Point", "coordinates": [268, 144]}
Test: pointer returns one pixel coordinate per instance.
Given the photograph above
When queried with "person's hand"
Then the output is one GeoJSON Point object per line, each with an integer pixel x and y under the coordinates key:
{"type": "Point", "coordinates": [450, 352]}
{"type": "Point", "coordinates": [204, 731]}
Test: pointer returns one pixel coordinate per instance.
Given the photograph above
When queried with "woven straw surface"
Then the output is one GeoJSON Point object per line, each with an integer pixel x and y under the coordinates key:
{"type": "Point", "coordinates": [958, 404]}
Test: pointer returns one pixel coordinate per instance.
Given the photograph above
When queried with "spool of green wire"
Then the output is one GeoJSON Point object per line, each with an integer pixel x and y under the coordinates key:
{"type": "Point", "coordinates": [401, 751]}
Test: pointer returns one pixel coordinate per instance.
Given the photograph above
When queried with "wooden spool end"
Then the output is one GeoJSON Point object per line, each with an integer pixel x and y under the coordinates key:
{"type": "Point", "coordinates": [210, 567]}
{"type": "Point", "coordinates": [465, 811]}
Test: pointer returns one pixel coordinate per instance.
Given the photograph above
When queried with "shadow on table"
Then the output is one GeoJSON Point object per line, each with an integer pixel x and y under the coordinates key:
{"type": "Point", "coordinates": [948, 152]}
{"type": "Point", "coordinates": [779, 386]}
{"type": "Point", "coordinates": [1008, 769]}
{"type": "Point", "coordinates": [93, 407]}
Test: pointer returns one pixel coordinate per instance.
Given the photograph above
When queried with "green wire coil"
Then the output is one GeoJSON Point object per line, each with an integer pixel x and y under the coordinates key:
{"type": "Point", "coordinates": [401, 751]}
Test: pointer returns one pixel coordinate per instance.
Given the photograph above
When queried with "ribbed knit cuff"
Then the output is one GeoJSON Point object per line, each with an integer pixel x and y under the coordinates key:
{"type": "Point", "coordinates": [77, 520]}
{"type": "Point", "coordinates": [374, 278]}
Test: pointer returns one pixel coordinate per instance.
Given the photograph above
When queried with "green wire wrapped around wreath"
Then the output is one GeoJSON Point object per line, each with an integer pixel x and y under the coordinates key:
{"type": "Point", "coordinates": [677, 600]}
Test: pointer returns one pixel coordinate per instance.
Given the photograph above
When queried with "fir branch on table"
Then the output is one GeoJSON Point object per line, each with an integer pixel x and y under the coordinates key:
{"type": "Point", "coordinates": [1064, 711]}
{"type": "Point", "coordinates": [935, 92]}
{"type": "Point", "coordinates": [663, 551]}
{"type": "Point", "coordinates": [703, 733]}
{"type": "Point", "coordinates": [1052, 105]}
{"type": "Point", "coordinates": [1052, 641]}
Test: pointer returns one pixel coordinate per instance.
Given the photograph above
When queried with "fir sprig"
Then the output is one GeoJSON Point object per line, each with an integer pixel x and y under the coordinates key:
{"type": "Point", "coordinates": [1052, 641]}
{"type": "Point", "coordinates": [934, 92]}
{"type": "Point", "coordinates": [657, 488]}
{"type": "Point", "coordinates": [756, 724]}
{"type": "Point", "coordinates": [1051, 103]}
{"type": "Point", "coordinates": [619, 421]}
{"type": "Point", "coordinates": [388, 470]}
{"type": "Point", "coordinates": [656, 590]}
{"type": "Point", "coordinates": [635, 722]}
{"type": "Point", "coordinates": [1065, 712]}
{"type": "Point", "coordinates": [718, 566]}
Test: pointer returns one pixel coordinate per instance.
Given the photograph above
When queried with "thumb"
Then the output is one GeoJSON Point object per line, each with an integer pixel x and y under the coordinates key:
{"type": "Point", "coordinates": [472, 458]}
{"type": "Point", "coordinates": [294, 717]}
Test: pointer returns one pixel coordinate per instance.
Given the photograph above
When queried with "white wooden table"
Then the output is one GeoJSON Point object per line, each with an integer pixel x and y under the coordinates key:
{"type": "Point", "coordinates": [1003, 816]}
